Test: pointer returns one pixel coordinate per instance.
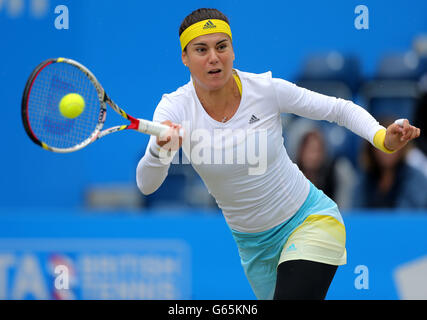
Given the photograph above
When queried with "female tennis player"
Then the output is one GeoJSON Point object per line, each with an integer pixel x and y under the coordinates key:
{"type": "Point", "coordinates": [290, 235]}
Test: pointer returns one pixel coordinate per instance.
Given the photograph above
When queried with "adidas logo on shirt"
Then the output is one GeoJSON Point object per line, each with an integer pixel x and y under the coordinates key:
{"type": "Point", "coordinates": [253, 119]}
{"type": "Point", "coordinates": [291, 248]}
{"type": "Point", "coordinates": [209, 25]}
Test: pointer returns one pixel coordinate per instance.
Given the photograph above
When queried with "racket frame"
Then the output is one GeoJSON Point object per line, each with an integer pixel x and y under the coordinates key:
{"type": "Point", "coordinates": [27, 92]}
{"type": "Point", "coordinates": [140, 125]}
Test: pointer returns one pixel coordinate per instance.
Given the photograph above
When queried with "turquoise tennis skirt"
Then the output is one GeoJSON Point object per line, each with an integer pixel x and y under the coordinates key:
{"type": "Point", "coordinates": [260, 252]}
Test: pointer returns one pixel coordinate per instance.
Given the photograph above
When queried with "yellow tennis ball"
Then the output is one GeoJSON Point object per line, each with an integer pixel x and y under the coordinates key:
{"type": "Point", "coordinates": [71, 105]}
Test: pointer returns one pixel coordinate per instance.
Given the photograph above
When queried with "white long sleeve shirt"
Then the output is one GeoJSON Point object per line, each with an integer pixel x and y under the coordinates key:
{"type": "Point", "coordinates": [243, 162]}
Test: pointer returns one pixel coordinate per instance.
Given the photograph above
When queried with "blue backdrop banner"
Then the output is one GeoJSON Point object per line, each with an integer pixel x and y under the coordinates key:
{"type": "Point", "coordinates": [60, 254]}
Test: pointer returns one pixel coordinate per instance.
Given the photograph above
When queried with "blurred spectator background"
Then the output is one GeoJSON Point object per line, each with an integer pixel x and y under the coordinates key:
{"type": "Point", "coordinates": [385, 77]}
{"type": "Point", "coordinates": [388, 181]}
{"type": "Point", "coordinates": [65, 201]}
{"type": "Point", "coordinates": [417, 155]}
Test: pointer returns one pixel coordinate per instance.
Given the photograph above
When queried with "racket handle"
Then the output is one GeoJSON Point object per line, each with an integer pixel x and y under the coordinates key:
{"type": "Point", "coordinates": [155, 128]}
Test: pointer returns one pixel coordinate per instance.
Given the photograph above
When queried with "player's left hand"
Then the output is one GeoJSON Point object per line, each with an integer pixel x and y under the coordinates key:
{"type": "Point", "coordinates": [398, 135]}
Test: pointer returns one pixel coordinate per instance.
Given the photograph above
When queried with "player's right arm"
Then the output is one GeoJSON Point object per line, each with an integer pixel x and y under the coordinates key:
{"type": "Point", "coordinates": [153, 167]}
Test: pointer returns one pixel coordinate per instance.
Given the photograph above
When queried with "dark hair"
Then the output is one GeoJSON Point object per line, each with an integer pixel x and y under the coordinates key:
{"type": "Point", "coordinates": [200, 15]}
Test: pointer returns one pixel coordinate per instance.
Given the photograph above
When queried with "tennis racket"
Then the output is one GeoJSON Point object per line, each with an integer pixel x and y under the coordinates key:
{"type": "Point", "coordinates": [53, 79]}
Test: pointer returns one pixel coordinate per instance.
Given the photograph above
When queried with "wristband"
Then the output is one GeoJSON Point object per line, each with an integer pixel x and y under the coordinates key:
{"type": "Point", "coordinates": [379, 139]}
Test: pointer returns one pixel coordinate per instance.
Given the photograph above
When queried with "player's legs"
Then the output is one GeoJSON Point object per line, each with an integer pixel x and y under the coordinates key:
{"type": "Point", "coordinates": [303, 280]}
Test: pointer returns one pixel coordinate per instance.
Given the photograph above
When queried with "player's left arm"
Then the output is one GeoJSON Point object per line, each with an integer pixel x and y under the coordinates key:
{"type": "Point", "coordinates": [316, 106]}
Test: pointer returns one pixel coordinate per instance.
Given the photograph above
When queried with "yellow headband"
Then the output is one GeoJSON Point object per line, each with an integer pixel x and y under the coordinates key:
{"type": "Point", "coordinates": [203, 27]}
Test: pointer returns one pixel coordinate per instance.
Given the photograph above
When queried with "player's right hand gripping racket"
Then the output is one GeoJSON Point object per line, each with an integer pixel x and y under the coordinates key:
{"type": "Point", "coordinates": [53, 79]}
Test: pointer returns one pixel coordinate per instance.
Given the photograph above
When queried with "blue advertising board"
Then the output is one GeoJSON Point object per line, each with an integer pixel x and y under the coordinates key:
{"type": "Point", "coordinates": [59, 254]}
{"type": "Point", "coordinates": [43, 268]}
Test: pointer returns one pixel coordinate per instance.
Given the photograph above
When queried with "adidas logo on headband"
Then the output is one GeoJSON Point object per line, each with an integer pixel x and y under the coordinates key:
{"type": "Point", "coordinates": [203, 27]}
{"type": "Point", "coordinates": [209, 25]}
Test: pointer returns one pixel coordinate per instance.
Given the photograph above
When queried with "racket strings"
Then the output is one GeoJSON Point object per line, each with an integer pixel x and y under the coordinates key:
{"type": "Point", "coordinates": [47, 123]}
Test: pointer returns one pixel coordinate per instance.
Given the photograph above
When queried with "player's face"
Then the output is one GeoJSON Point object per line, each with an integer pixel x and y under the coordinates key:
{"type": "Point", "coordinates": [210, 59]}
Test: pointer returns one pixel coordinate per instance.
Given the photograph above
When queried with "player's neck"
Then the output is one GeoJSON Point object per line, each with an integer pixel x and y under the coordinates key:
{"type": "Point", "coordinates": [218, 103]}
